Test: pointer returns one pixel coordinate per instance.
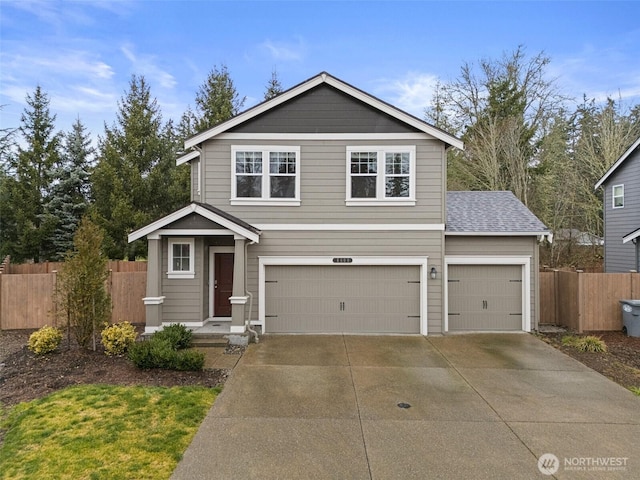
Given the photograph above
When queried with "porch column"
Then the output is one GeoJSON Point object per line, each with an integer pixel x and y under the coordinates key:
{"type": "Point", "coordinates": [238, 299]}
{"type": "Point", "coordinates": [154, 299]}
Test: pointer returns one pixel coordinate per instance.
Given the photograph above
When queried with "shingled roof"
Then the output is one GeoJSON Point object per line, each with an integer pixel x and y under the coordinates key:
{"type": "Point", "coordinates": [499, 213]}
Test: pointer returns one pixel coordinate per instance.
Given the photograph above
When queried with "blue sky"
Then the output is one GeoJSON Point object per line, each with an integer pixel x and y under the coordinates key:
{"type": "Point", "coordinates": [83, 53]}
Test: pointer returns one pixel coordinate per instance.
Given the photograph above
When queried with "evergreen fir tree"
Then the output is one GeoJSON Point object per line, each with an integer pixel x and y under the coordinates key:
{"type": "Point", "coordinates": [70, 194]}
{"type": "Point", "coordinates": [274, 87]}
{"type": "Point", "coordinates": [31, 170]}
{"type": "Point", "coordinates": [132, 175]}
{"type": "Point", "coordinates": [217, 100]}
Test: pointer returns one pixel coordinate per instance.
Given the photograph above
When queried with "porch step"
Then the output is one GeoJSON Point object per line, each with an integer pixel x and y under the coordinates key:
{"type": "Point", "coordinates": [209, 340]}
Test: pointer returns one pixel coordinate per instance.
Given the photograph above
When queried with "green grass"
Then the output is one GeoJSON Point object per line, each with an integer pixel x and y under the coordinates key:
{"type": "Point", "coordinates": [635, 390]}
{"type": "Point", "coordinates": [102, 432]}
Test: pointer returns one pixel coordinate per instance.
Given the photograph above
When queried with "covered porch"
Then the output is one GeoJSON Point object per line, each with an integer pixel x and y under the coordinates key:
{"type": "Point", "coordinates": [197, 270]}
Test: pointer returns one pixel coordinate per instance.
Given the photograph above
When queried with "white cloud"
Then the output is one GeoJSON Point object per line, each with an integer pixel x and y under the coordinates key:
{"type": "Point", "coordinates": [599, 72]}
{"type": "Point", "coordinates": [411, 92]}
{"type": "Point", "coordinates": [146, 65]}
{"type": "Point", "coordinates": [285, 51]}
{"type": "Point", "coordinates": [64, 62]}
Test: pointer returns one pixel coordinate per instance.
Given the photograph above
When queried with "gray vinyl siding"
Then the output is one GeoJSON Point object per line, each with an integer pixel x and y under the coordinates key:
{"type": "Point", "coordinates": [183, 297]}
{"type": "Point", "coordinates": [354, 243]}
{"type": "Point", "coordinates": [323, 171]}
{"type": "Point", "coordinates": [193, 222]}
{"type": "Point", "coordinates": [323, 109]}
{"type": "Point", "coordinates": [618, 222]}
{"type": "Point", "coordinates": [501, 246]}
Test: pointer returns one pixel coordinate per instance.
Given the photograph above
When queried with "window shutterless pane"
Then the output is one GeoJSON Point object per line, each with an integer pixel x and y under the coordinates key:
{"type": "Point", "coordinates": [248, 162]}
{"type": "Point", "coordinates": [181, 257]}
{"type": "Point", "coordinates": [397, 187]}
{"type": "Point", "coordinates": [618, 196]}
{"type": "Point", "coordinates": [363, 187]}
{"type": "Point", "coordinates": [283, 186]}
{"type": "Point", "coordinates": [364, 162]}
{"type": "Point", "coordinates": [282, 162]}
{"type": "Point", "coordinates": [397, 163]}
{"type": "Point", "coordinates": [249, 186]}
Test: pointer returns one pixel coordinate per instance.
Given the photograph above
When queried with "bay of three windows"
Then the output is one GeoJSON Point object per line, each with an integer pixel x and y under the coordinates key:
{"type": "Point", "coordinates": [373, 173]}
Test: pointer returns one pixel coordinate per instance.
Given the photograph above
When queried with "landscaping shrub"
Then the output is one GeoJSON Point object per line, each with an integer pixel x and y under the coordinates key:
{"type": "Point", "coordinates": [189, 360]}
{"type": "Point", "coordinates": [177, 335]}
{"type": "Point", "coordinates": [140, 354]}
{"type": "Point", "coordinates": [591, 343]}
{"type": "Point", "coordinates": [569, 341]}
{"type": "Point", "coordinates": [45, 340]}
{"type": "Point", "coordinates": [166, 349]}
{"type": "Point", "coordinates": [117, 338]}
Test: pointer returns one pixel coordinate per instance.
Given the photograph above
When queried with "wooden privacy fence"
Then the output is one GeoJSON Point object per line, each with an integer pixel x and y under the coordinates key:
{"type": "Point", "coordinates": [586, 301]}
{"type": "Point", "coordinates": [27, 299]}
{"type": "Point", "coordinates": [50, 267]}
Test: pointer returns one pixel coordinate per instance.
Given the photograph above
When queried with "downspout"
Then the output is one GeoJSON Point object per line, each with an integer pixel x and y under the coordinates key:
{"type": "Point", "coordinates": [247, 322]}
{"type": "Point", "coordinates": [199, 173]}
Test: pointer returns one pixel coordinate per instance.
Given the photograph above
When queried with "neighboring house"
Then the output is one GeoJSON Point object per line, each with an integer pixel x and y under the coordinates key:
{"type": "Point", "coordinates": [621, 186]}
{"type": "Point", "coordinates": [324, 210]}
{"type": "Point", "coordinates": [576, 237]}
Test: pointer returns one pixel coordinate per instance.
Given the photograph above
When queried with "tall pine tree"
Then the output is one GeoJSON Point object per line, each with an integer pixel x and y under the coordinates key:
{"type": "Point", "coordinates": [217, 100]}
{"type": "Point", "coordinates": [30, 179]}
{"type": "Point", "coordinates": [124, 196]}
{"type": "Point", "coordinates": [274, 87]}
{"type": "Point", "coordinates": [69, 199]}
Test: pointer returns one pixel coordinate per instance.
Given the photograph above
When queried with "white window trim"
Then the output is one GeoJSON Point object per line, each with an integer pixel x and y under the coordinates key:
{"type": "Point", "coordinates": [264, 200]}
{"type": "Point", "coordinates": [614, 196]}
{"type": "Point", "coordinates": [172, 274]}
{"type": "Point", "coordinates": [265, 261]}
{"type": "Point", "coordinates": [381, 200]}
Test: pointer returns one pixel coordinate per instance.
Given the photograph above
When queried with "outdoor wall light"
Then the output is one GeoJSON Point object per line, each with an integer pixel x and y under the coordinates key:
{"type": "Point", "coordinates": [433, 273]}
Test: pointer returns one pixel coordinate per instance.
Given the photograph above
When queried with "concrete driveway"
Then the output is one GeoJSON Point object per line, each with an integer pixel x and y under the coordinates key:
{"type": "Point", "coordinates": [481, 406]}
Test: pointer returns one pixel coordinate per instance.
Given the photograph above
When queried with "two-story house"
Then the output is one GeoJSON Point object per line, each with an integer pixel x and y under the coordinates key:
{"type": "Point", "coordinates": [621, 211]}
{"type": "Point", "coordinates": [325, 210]}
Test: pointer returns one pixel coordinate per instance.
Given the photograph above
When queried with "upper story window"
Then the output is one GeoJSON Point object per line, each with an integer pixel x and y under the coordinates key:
{"type": "Point", "coordinates": [265, 175]}
{"type": "Point", "coordinates": [181, 258]}
{"type": "Point", "coordinates": [618, 196]}
{"type": "Point", "coordinates": [381, 175]}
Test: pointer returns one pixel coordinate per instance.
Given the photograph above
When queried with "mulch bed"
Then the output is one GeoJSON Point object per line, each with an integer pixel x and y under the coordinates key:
{"type": "Point", "coordinates": [25, 376]}
{"type": "Point", "coordinates": [621, 362]}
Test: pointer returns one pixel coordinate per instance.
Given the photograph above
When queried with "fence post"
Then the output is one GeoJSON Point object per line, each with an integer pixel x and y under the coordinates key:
{"type": "Point", "coordinates": [580, 300]}
{"type": "Point", "coordinates": [55, 297]}
{"type": "Point", "coordinates": [556, 300]}
{"type": "Point", "coordinates": [1, 274]}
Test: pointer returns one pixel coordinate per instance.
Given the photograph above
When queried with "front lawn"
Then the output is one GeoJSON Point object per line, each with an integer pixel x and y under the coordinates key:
{"type": "Point", "coordinates": [102, 432]}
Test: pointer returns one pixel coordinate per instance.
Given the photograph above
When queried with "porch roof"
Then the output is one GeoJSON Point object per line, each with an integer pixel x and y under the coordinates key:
{"type": "Point", "coordinates": [222, 218]}
{"type": "Point", "coordinates": [631, 236]}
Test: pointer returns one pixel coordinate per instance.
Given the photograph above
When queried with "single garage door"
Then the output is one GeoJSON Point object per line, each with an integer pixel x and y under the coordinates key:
{"type": "Point", "coordinates": [485, 297]}
{"type": "Point", "coordinates": [342, 299]}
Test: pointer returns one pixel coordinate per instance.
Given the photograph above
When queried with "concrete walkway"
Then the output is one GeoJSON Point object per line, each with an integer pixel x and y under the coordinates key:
{"type": "Point", "coordinates": [481, 406]}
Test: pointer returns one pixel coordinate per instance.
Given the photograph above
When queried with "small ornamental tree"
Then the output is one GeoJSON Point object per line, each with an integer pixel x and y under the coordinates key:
{"type": "Point", "coordinates": [82, 298]}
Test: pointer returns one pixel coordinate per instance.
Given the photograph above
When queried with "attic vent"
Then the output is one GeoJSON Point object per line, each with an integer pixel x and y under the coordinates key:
{"type": "Point", "coordinates": [342, 260]}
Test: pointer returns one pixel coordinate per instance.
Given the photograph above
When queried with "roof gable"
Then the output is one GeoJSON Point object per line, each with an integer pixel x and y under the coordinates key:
{"type": "Point", "coordinates": [324, 109]}
{"type": "Point", "coordinates": [208, 212]}
{"type": "Point", "coordinates": [326, 79]}
{"type": "Point", "coordinates": [490, 213]}
{"type": "Point", "coordinates": [620, 161]}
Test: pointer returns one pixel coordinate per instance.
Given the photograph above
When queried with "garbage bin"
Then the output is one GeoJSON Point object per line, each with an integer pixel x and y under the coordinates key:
{"type": "Point", "coordinates": [631, 317]}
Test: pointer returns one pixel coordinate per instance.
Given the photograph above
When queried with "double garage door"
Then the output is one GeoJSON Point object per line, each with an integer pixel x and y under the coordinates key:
{"type": "Point", "coordinates": [484, 297]}
{"type": "Point", "coordinates": [342, 299]}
